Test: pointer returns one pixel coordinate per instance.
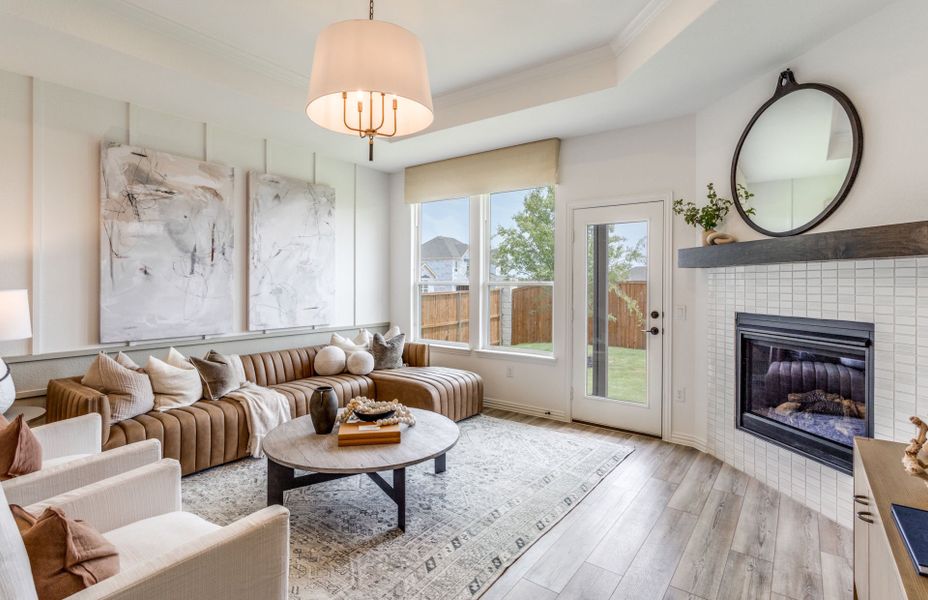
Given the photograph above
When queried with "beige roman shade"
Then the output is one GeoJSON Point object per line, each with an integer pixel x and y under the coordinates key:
{"type": "Point", "coordinates": [513, 168]}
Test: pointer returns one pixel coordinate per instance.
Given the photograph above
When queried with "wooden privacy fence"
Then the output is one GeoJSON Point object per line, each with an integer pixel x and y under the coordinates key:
{"type": "Point", "coordinates": [445, 316]}
{"type": "Point", "coordinates": [531, 314]}
{"type": "Point", "coordinates": [628, 307]}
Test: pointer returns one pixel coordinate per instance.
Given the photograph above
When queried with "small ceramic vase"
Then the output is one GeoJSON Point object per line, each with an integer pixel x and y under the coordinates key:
{"type": "Point", "coordinates": [323, 409]}
{"type": "Point", "coordinates": [705, 236]}
{"type": "Point", "coordinates": [717, 238]}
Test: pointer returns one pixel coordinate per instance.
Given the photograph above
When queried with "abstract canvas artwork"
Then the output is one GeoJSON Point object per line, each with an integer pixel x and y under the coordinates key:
{"type": "Point", "coordinates": [291, 274]}
{"type": "Point", "coordinates": [166, 245]}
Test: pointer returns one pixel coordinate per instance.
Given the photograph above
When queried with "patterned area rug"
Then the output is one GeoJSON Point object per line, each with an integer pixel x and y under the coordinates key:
{"type": "Point", "coordinates": [506, 485]}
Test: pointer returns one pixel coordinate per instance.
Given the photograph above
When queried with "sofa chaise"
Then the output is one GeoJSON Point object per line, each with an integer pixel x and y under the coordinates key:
{"type": "Point", "coordinates": [210, 433]}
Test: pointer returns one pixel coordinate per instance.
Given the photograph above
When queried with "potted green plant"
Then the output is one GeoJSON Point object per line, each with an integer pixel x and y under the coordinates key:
{"type": "Point", "coordinates": [712, 213]}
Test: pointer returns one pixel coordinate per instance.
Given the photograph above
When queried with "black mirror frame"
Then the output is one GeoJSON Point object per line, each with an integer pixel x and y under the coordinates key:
{"type": "Point", "coordinates": [786, 84]}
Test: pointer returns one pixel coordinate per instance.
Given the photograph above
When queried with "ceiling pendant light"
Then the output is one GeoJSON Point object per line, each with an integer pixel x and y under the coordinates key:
{"type": "Point", "coordinates": [369, 79]}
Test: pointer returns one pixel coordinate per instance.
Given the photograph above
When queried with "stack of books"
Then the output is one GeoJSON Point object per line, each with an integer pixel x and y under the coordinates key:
{"type": "Point", "coordinates": [367, 434]}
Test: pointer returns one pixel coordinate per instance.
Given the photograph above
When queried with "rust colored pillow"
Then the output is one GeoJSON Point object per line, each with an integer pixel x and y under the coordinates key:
{"type": "Point", "coordinates": [20, 451]}
{"type": "Point", "coordinates": [66, 555]}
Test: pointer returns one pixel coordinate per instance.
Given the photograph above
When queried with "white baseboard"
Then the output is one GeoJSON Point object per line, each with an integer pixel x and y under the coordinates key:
{"type": "Point", "coordinates": [689, 440]}
{"type": "Point", "coordinates": [525, 409]}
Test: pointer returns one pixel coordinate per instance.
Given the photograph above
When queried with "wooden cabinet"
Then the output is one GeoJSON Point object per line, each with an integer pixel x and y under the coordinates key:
{"type": "Point", "coordinates": [882, 567]}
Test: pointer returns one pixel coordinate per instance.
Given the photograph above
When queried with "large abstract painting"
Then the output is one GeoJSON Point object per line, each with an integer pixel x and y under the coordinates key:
{"type": "Point", "coordinates": [291, 275]}
{"type": "Point", "coordinates": [166, 256]}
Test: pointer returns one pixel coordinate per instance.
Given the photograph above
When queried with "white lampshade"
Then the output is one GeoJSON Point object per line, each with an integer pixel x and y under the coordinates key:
{"type": "Point", "coordinates": [14, 315]}
{"type": "Point", "coordinates": [369, 56]}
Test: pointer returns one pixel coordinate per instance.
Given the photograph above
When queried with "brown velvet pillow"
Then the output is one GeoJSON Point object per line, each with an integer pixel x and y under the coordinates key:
{"type": "Point", "coordinates": [217, 374]}
{"type": "Point", "coordinates": [20, 451]}
{"type": "Point", "coordinates": [66, 555]}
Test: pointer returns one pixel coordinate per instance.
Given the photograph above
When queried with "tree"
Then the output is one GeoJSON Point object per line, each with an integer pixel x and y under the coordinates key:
{"type": "Point", "coordinates": [526, 250]}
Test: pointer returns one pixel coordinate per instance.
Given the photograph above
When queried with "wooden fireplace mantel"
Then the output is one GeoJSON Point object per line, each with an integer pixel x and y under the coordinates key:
{"type": "Point", "coordinates": [884, 241]}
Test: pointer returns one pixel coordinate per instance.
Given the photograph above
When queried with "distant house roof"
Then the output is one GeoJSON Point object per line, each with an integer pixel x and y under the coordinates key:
{"type": "Point", "coordinates": [639, 273]}
{"type": "Point", "coordinates": [442, 247]}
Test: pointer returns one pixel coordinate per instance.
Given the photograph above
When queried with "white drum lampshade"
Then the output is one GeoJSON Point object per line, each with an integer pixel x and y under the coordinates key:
{"type": "Point", "coordinates": [361, 57]}
{"type": "Point", "coordinates": [15, 324]}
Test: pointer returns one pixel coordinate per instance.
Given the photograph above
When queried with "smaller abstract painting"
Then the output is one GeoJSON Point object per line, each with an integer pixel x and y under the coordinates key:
{"type": "Point", "coordinates": [166, 245]}
{"type": "Point", "coordinates": [291, 274]}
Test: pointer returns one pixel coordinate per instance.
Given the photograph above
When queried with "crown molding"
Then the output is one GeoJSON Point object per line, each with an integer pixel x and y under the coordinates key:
{"type": "Point", "coordinates": [170, 28]}
{"type": "Point", "coordinates": [637, 25]}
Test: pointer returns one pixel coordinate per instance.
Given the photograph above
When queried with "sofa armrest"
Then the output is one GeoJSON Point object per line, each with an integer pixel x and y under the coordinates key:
{"type": "Point", "coordinates": [245, 560]}
{"type": "Point", "coordinates": [53, 481]}
{"type": "Point", "coordinates": [67, 398]}
{"type": "Point", "coordinates": [416, 354]}
{"type": "Point", "coordinates": [145, 492]}
{"type": "Point", "coordinates": [78, 435]}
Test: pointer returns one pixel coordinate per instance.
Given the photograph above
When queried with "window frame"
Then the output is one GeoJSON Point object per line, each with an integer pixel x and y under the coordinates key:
{"type": "Point", "coordinates": [479, 285]}
{"type": "Point", "coordinates": [418, 282]}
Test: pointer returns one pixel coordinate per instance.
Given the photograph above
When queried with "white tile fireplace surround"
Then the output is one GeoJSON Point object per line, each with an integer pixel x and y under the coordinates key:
{"type": "Point", "coordinates": [891, 293]}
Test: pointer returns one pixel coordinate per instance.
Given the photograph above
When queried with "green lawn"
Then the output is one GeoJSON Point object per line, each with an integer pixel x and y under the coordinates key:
{"type": "Point", "coordinates": [628, 372]}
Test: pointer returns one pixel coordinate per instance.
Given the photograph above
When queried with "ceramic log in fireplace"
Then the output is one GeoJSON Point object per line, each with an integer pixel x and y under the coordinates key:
{"type": "Point", "coordinates": [805, 384]}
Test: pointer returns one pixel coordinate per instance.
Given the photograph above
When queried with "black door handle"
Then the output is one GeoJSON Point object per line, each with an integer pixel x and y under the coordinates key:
{"type": "Point", "coordinates": [652, 331]}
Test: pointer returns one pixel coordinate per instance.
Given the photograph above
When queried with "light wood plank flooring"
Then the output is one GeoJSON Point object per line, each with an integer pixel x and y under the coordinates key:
{"type": "Point", "coordinates": [672, 523]}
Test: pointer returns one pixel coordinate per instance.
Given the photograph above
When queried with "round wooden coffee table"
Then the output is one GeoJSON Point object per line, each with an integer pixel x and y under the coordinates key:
{"type": "Point", "coordinates": [296, 446]}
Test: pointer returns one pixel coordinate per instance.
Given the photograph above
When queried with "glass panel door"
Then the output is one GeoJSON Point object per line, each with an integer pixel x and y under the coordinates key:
{"type": "Point", "coordinates": [617, 322]}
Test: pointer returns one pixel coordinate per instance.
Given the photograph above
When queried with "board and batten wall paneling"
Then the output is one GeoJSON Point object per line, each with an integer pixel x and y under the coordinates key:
{"type": "Point", "coordinates": [50, 139]}
{"type": "Point", "coordinates": [247, 153]}
{"type": "Point", "coordinates": [372, 233]}
{"type": "Point", "coordinates": [71, 125]}
{"type": "Point", "coordinates": [340, 175]}
{"type": "Point", "coordinates": [16, 190]}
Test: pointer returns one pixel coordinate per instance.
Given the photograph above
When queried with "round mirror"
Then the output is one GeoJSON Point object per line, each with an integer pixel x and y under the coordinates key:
{"type": "Point", "coordinates": [797, 158]}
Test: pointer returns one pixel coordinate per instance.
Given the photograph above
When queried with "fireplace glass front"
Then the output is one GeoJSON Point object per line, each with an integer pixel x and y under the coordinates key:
{"type": "Point", "coordinates": [805, 384]}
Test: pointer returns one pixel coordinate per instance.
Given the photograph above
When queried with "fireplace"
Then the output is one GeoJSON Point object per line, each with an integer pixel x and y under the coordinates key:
{"type": "Point", "coordinates": [805, 384]}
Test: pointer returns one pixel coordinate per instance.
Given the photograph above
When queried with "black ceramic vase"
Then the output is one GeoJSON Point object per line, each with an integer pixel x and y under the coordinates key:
{"type": "Point", "coordinates": [323, 409]}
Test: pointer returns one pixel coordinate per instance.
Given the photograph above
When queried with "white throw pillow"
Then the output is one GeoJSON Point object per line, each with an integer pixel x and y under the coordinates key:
{"type": "Point", "coordinates": [360, 362]}
{"type": "Point", "coordinates": [362, 341]}
{"type": "Point", "coordinates": [173, 386]}
{"type": "Point", "coordinates": [176, 359]}
{"type": "Point", "coordinates": [239, 367]}
{"type": "Point", "coordinates": [392, 332]}
{"type": "Point", "coordinates": [330, 361]}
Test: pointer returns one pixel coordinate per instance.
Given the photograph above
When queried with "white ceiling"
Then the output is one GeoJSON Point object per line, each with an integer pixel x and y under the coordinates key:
{"type": "Point", "coordinates": [502, 72]}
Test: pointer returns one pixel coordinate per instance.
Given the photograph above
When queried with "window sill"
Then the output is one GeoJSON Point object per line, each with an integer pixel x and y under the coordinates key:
{"type": "Point", "coordinates": [446, 348]}
{"type": "Point", "coordinates": [517, 356]}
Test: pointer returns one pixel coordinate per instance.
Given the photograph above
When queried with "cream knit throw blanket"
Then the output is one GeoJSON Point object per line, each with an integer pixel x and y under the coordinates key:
{"type": "Point", "coordinates": [265, 409]}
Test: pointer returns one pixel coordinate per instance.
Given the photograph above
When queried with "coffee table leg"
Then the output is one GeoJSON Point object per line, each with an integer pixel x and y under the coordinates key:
{"type": "Point", "coordinates": [399, 491]}
{"type": "Point", "coordinates": [441, 463]}
{"type": "Point", "coordinates": [277, 479]}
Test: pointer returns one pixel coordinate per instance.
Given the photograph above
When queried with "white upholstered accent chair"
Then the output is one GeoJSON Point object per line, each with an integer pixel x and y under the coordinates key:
{"type": "Point", "coordinates": [163, 551]}
{"type": "Point", "coordinates": [72, 458]}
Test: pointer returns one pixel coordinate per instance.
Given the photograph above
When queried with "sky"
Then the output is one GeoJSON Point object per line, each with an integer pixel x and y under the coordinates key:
{"type": "Point", "coordinates": [451, 217]}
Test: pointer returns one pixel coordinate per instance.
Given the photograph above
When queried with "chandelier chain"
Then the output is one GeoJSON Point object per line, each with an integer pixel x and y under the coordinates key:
{"type": "Point", "coordinates": [372, 11]}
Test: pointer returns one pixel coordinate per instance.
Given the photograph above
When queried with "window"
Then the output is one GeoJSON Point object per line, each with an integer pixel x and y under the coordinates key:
{"type": "Point", "coordinates": [443, 277]}
{"type": "Point", "coordinates": [514, 267]}
{"type": "Point", "coordinates": [520, 271]}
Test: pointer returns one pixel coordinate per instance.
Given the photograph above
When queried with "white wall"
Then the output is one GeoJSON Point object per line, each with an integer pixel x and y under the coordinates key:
{"type": "Point", "coordinates": [656, 159]}
{"type": "Point", "coordinates": [50, 139]}
{"type": "Point", "coordinates": [880, 63]}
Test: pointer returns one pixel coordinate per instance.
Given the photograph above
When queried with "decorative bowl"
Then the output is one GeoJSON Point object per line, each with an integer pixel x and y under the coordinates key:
{"type": "Point", "coordinates": [371, 417]}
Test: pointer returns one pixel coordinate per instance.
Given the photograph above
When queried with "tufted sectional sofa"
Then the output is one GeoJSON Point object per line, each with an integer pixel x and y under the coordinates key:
{"type": "Point", "coordinates": [210, 433]}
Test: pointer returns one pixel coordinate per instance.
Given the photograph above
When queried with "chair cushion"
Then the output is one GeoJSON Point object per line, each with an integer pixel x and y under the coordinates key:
{"type": "Point", "coordinates": [65, 555]}
{"type": "Point", "coordinates": [20, 451]}
{"type": "Point", "coordinates": [15, 572]}
{"type": "Point", "coordinates": [54, 462]}
{"type": "Point", "coordinates": [155, 536]}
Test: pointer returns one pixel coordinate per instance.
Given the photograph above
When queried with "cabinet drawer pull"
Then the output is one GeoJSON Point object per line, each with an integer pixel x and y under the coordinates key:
{"type": "Point", "coordinates": [865, 516]}
{"type": "Point", "coordinates": [861, 499]}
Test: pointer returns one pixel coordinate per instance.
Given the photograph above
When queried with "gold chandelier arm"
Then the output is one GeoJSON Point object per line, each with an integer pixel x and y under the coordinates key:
{"type": "Point", "coordinates": [345, 113]}
{"type": "Point", "coordinates": [360, 130]}
{"type": "Point", "coordinates": [394, 121]}
{"type": "Point", "coordinates": [382, 105]}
